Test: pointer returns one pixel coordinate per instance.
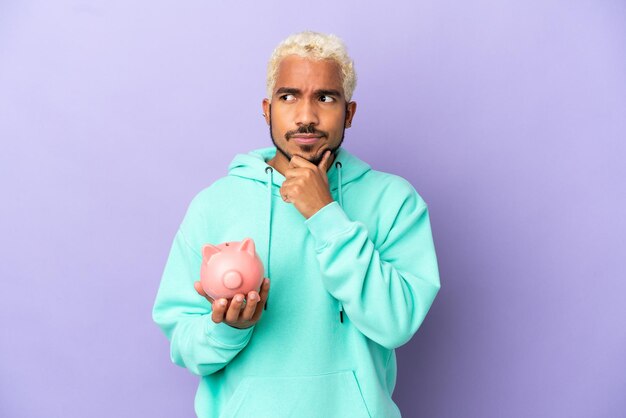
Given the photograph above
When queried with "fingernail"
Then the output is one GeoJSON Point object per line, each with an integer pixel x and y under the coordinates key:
{"type": "Point", "coordinates": [238, 298]}
{"type": "Point", "coordinates": [223, 302]}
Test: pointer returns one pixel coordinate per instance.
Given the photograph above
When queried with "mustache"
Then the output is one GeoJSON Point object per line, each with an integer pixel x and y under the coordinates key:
{"type": "Point", "coordinates": [305, 129]}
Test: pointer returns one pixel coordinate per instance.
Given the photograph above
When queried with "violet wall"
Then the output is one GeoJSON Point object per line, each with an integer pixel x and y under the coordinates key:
{"type": "Point", "coordinates": [508, 117]}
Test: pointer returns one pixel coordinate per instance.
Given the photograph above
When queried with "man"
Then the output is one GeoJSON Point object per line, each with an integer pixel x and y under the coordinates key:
{"type": "Point", "coordinates": [348, 250]}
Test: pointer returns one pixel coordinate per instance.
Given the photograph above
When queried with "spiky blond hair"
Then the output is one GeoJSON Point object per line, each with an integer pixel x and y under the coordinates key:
{"type": "Point", "coordinates": [316, 46]}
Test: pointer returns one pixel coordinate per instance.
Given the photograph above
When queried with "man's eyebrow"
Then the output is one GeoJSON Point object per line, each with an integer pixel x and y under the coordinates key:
{"type": "Point", "coordinates": [323, 92]}
{"type": "Point", "coordinates": [287, 90]}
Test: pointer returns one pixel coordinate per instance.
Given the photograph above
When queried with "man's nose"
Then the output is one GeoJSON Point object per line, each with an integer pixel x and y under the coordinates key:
{"type": "Point", "coordinates": [306, 113]}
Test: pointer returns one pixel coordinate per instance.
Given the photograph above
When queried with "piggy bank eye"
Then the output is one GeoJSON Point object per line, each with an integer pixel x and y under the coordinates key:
{"type": "Point", "coordinates": [227, 244]}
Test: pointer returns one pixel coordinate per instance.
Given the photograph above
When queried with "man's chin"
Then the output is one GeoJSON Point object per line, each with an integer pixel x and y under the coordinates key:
{"type": "Point", "coordinates": [312, 157]}
{"type": "Point", "coordinates": [315, 160]}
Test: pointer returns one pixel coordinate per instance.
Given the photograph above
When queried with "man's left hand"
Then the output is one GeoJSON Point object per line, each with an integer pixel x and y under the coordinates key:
{"type": "Point", "coordinates": [306, 185]}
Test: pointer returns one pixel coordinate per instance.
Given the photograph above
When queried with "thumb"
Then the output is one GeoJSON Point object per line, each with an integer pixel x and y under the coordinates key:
{"type": "Point", "coordinates": [323, 165]}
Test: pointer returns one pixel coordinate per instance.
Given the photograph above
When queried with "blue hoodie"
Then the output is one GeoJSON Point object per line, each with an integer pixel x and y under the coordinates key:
{"type": "Point", "coordinates": [348, 286]}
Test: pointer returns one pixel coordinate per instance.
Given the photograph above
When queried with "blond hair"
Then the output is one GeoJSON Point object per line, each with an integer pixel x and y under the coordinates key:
{"type": "Point", "coordinates": [316, 46]}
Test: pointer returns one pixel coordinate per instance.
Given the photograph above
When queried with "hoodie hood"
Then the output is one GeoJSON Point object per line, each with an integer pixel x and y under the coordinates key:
{"type": "Point", "coordinates": [254, 165]}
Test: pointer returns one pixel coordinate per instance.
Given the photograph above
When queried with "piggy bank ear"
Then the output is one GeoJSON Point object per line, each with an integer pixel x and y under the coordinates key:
{"type": "Point", "coordinates": [247, 245]}
{"type": "Point", "coordinates": [208, 250]}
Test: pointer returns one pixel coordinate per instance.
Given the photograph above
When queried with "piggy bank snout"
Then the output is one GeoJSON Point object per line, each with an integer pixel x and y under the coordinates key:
{"type": "Point", "coordinates": [232, 279]}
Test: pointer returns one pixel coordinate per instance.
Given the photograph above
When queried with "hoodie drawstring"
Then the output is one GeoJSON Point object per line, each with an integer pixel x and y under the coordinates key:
{"type": "Point", "coordinates": [338, 165]}
{"type": "Point", "coordinates": [270, 172]}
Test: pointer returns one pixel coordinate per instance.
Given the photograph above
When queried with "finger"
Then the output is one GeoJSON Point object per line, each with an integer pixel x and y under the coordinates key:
{"type": "Point", "coordinates": [232, 315]}
{"type": "Point", "coordinates": [293, 187]}
{"type": "Point", "coordinates": [284, 191]}
{"type": "Point", "coordinates": [264, 294]}
{"type": "Point", "coordinates": [323, 165]}
{"type": "Point", "coordinates": [201, 291]}
{"type": "Point", "coordinates": [295, 172]}
{"type": "Point", "coordinates": [297, 161]}
{"type": "Point", "coordinates": [251, 302]}
{"type": "Point", "coordinates": [219, 307]}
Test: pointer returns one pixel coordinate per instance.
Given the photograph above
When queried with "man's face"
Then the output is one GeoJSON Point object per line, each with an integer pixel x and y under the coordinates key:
{"type": "Point", "coordinates": [308, 112]}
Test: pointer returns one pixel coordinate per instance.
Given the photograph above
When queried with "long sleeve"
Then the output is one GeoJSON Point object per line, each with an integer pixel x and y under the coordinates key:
{"type": "Point", "coordinates": [387, 291]}
{"type": "Point", "coordinates": [197, 343]}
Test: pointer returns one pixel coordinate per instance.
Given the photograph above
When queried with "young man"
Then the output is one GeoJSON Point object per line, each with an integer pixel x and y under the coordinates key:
{"type": "Point", "coordinates": [348, 249]}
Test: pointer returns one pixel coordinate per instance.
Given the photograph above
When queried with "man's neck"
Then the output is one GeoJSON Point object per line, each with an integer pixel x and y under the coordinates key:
{"type": "Point", "coordinates": [280, 163]}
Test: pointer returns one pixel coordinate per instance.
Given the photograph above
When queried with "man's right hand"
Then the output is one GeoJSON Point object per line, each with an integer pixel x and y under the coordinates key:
{"type": "Point", "coordinates": [235, 312]}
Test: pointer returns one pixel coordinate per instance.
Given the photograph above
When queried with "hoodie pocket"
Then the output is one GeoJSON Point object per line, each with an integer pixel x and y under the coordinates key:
{"type": "Point", "coordinates": [324, 396]}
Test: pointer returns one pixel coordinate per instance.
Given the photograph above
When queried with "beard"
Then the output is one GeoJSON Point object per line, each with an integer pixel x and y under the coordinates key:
{"type": "Point", "coordinates": [307, 148]}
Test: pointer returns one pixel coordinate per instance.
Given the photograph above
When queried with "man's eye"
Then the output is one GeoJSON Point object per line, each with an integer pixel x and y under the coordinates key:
{"type": "Point", "coordinates": [287, 97]}
{"type": "Point", "coordinates": [327, 99]}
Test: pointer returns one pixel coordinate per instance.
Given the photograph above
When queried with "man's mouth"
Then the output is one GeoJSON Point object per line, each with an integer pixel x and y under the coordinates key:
{"type": "Point", "coordinates": [306, 138]}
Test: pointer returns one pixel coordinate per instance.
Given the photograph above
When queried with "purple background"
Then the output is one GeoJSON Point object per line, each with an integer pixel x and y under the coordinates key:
{"type": "Point", "coordinates": [508, 117]}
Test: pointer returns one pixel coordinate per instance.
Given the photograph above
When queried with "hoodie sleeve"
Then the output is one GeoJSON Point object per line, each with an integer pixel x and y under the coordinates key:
{"type": "Point", "coordinates": [196, 342]}
{"type": "Point", "coordinates": [386, 291]}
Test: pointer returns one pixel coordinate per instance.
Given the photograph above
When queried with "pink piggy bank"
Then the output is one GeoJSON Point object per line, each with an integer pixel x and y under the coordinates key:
{"type": "Point", "coordinates": [230, 268]}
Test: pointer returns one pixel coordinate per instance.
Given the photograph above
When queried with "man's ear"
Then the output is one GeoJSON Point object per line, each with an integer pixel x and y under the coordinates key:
{"type": "Point", "coordinates": [350, 111]}
{"type": "Point", "coordinates": [266, 110]}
